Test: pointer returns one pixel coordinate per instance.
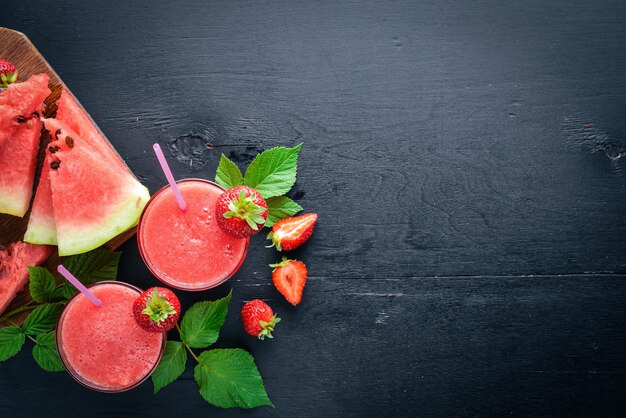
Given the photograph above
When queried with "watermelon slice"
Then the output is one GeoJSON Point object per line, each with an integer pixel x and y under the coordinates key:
{"type": "Point", "coordinates": [41, 228]}
{"type": "Point", "coordinates": [20, 108]}
{"type": "Point", "coordinates": [18, 161]}
{"type": "Point", "coordinates": [74, 117]}
{"type": "Point", "coordinates": [14, 259]}
{"type": "Point", "coordinates": [21, 100]}
{"type": "Point", "coordinates": [93, 200]}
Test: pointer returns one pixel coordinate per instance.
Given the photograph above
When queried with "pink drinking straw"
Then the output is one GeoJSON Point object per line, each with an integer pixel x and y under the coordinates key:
{"type": "Point", "coordinates": [78, 285]}
{"type": "Point", "coordinates": [170, 178]}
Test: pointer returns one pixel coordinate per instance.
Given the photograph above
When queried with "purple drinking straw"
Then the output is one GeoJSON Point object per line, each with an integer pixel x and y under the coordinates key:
{"type": "Point", "coordinates": [78, 285]}
{"type": "Point", "coordinates": [170, 178]}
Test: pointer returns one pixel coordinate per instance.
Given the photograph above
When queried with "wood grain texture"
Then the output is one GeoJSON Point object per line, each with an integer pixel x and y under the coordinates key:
{"type": "Point", "coordinates": [465, 160]}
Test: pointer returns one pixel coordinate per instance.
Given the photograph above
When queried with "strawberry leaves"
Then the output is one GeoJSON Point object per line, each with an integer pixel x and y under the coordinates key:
{"type": "Point", "coordinates": [11, 342]}
{"type": "Point", "coordinates": [280, 207]}
{"type": "Point", "coordinates": [272, 173]}
{"type": "Point", "coordinates": [202, 322]}
{"type": "Point", "coordinates": [41, 284]}
{"type": "Point", "coordinates": [227, 378]}
{"type": "Point", "coordinates": [45, 353]}
{"type": "Point", "coordinates": [171, 366]}
{"type": "Point", "coordinates": [228, 175]}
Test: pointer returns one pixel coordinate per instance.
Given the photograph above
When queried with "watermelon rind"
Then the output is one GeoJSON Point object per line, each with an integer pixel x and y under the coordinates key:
{"type": "Point", "coordinates": [121, 219]}
{"type": "Point", "coordinates": [42, 233]}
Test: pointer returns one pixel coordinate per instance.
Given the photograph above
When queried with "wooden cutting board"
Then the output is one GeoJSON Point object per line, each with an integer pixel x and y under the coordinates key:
{"type": "Point", "coordinates": [18, 49]}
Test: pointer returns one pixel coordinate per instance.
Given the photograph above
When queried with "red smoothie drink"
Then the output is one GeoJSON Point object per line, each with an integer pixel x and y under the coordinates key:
{"type": "Point", "coordinates": [187, 249]}
{"type": "Point", "coordinates": [103, 347]}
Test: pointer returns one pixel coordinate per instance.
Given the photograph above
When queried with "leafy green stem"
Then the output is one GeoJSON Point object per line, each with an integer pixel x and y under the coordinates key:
{"type": "Point", "coordinates": [187, 347]}
{"type": "Point", "coordinates": [29, 306]}
{"type": "Point", "coordinates": [27, 336]}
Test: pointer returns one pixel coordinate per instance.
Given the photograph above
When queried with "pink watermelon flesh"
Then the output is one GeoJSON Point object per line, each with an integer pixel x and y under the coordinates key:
{"type": "Point", "coordinates": [41, 228]}
{"type": "Point", "coordinates": [19, 141]}
{"type": "Point", "coordinates": [93, 200]}
{"type": "Point", "coordinates": [14, 259]}
{"type": "Point", "coordinates": [18, 161]}
{"type": "Point", "coordinates": [76, 122]}
{"type": "Point", "coordinates": [21, 99]}
{"type": "Point", "coordinates": [74, 117]}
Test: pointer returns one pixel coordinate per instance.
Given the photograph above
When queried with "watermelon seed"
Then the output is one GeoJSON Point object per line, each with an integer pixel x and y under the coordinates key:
{"type": "Point", "coordinates": [35, 114]}
{"type": "Point", "coordinates": [29, 124]}
{"type": "Point", "coordinates": [56, 134]}
{"type": "Point", "coordinates": [69, 141]}
{"type": "Point", "coordinates": [53, 149]}
{"type": "Point", "coordinates": [20, 119]}
{"type": "Point", "coordinates": [55, 164]}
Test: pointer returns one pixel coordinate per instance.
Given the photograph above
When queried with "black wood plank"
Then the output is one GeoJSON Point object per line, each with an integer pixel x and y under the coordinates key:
{"type": "Point", "coordinates": [434, 347]}
{"type": "Point", "coordinates": [444, 138]}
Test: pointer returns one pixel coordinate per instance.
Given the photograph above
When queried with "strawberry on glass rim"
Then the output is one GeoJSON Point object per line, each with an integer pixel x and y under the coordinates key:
{"type": "Point", "coordinates": [157, 309]}
{"type": "Point", "coordinates": [241, 211]}
{"type": "Point", "coordinates": [291, 233]}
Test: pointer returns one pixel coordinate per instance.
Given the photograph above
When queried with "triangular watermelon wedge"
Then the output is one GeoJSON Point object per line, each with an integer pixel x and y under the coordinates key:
{"type": "Point", "coordinates": [41, 228]}
{"type": "Point", "coordinates": [93, 200]}
{"type": "Point", "coordinates": [77, 119]}
{"type": "Point", "coordinates": [18, 161]}
{"type": "Point", "coordinates": [20, 108]}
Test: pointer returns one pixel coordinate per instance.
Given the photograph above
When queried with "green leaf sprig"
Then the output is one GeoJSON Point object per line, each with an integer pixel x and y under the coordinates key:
{"type": "Point", "coordinates": [227, 378]}
{"type": "Point", "coordinates": [49, 298]}
{"type": "Point", "coordinates": [273, 173]}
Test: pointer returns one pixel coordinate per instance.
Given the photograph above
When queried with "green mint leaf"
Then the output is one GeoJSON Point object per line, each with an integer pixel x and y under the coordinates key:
{"type": "Point", "coordinates": [280, 207]}
{"type": "Point", "coordinates": [171, 366]}
{"type": "Point", "coordinates": [273, 172]}
{"type": "Point", "coordinates": [11, 342]}
{"type": "Point", "coordinates": [43, 318]}
{"type": "Point", "coordinates": [228, 174]}
{"type": "Point", "coordinates": [202, 322]}
{"type": "Point", "coordinates": [41, 284]}
{"type": "Point", "coordinates": [45, 353]}
{"type": "Point", "coordinates": [94, 266]}
{"type": "Point", "coordinates": [228, 378]}
{"type": "Point", "coordinates": [65, 291]}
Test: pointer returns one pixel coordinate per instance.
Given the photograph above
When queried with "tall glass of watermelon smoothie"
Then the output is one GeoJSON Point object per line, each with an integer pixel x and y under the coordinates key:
{"type": "Point", "coordinates": [103, 348]}
{"type": "Point", "coordinates": [187, 249]}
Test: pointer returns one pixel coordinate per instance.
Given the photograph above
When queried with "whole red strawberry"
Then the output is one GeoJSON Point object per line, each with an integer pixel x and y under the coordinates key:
{"type": "Point", "coordinates": [289, 277]}
{"type": "Point", "coordinates": [8, 73]}
{"type": "Point", "coordinates": [291, 233]}
{"type": "Point", "coordinates": [241, 211]}
{"type": "Point", "coordinates": [157, 309]}
{"type": "Point", "coordinates": [258, 319]}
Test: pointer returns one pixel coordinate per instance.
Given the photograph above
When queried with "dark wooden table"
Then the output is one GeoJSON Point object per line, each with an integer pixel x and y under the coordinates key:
{"type": "Point", "coordinates": [464, 158]}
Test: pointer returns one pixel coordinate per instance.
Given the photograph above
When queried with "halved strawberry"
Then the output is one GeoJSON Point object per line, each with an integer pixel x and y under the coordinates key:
{"type": "Point", "coordinates": [291, 233]}
{"type": "Point", "coordinates": [289, 277]}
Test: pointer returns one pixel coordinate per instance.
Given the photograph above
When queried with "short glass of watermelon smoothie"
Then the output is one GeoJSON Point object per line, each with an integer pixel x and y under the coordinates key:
{"type": "Point", "coordinates": [187, 249]}
{"type": "Point", "coordinates": [103, 348]}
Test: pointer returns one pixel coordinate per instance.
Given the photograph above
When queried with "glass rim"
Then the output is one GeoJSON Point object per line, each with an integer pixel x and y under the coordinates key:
{"type": "Point", "coordinates": [73, 373]}
{"type": "Point", "coordinates": [162, 276]}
